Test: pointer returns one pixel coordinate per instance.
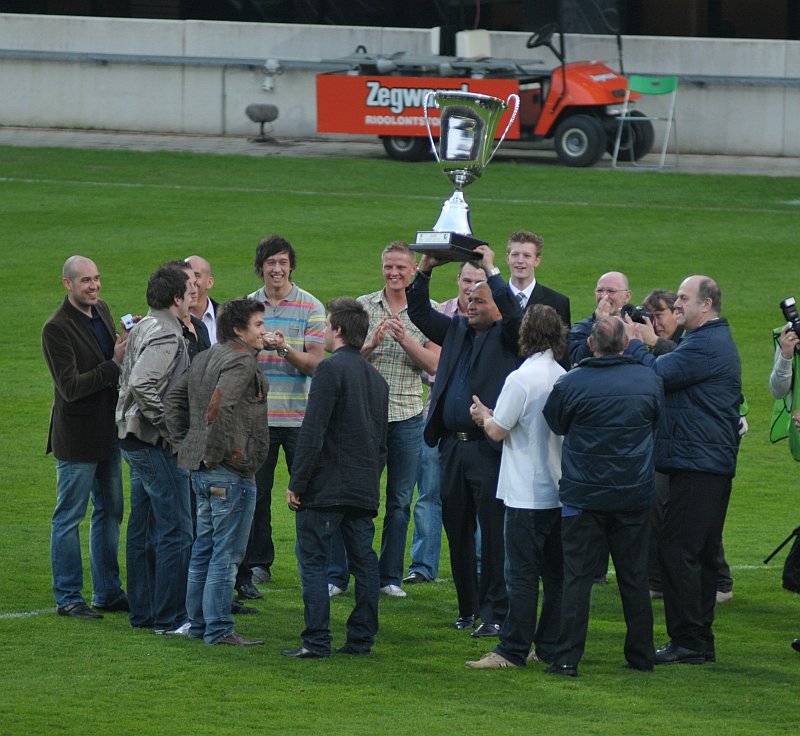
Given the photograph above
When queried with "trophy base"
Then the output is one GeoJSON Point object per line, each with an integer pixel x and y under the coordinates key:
{"type": "Point", "coordinates": [446, 246]}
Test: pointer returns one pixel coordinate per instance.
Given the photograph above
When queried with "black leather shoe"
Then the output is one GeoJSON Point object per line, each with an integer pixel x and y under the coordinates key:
{"type": "Point", "coordinates": [248, 591]}
{"type": "Point", "coordinates": [486, 629]}
{"type": "Point", "coordinates": [121, 604]}
{"type": "Point", "coordinates": [414, 578]}
{"type": "Point", "coordinates": [347, 649]}
{"type": "Point", "coordinates": [302, 653]}
{"type": "Point", "coordinates": [796, 645]}
{"type": "Point", "coordinates": [237, 609]}
{"type": "Point", "coordinates": [673, 654]}
{"type": "Point", "coordinates": [629, 666]}
{"type": "Point", "coordinates": [235, 639]}
{"type": "Point", "coordinates": [78, 610]}
{"type": "Point", "coordinates": [465, 622]}
{"type": "Point", "coordinates": [565, 670]}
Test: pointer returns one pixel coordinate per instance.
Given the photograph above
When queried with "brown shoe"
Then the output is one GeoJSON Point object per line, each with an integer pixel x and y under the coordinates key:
{"type": "Point", "coordinates": [490, 661]}
{"type": "Point", "coordinates": [235, 639]}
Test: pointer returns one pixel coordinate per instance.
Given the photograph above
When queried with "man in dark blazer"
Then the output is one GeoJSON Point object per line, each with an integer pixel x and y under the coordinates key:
{"type": "Point", "coordinates": [84, 352]}
{"type": "Point", "coordinates": [478, 352]}
{"type": "Point", "coordinates": [523, 256]}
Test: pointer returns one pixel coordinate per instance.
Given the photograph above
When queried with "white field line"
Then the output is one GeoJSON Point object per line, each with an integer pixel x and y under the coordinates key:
{"type": "Point", "coordinates": [52, 610]}
{"type": "Point", "coordinates": [395, 196]}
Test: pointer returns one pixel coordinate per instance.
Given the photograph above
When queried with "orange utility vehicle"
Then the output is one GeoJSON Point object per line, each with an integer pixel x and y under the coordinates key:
{"type": "Point", "coordinates": [575, 104]}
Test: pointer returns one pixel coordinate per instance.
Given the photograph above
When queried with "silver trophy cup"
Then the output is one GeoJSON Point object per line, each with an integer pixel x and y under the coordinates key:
{"type": "Point", "coordinates": [468, 125]}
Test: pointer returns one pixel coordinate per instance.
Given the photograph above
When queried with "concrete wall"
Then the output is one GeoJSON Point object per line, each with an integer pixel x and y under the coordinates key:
{"type": "Point", "coordinates": [130, 95]}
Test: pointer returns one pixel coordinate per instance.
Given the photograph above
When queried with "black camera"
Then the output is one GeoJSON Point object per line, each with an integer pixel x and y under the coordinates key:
{"type": "Point", "coordinates": [789, 309]}
{"type": "Point", "coordinates": [637, 314]}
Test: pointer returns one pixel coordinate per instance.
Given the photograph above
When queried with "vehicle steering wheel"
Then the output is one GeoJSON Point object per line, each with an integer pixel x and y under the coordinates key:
{"type": "Point", "coordinates": [542, 37]}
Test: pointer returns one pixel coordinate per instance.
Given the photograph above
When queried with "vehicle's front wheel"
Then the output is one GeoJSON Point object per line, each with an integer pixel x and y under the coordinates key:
{"type": "Point", "coordinates": [580, 140]}
{"type": "Point", "coordinates": [406, 147]}
{"type": "Point", "coordinates": [638, 135]}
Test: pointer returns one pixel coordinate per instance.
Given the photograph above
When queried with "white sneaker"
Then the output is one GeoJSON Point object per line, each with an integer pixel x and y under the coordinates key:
{"type": "Point", "coordinates": [393, 590]}
{"type": "Point", "coordinates": [334, 590]}
{"type": "Point", "coordinates": [490, 661]}
{"type": "Point", "coordinates": [182, 630]}
{"type": "Point", "coordinates": [724, 597]}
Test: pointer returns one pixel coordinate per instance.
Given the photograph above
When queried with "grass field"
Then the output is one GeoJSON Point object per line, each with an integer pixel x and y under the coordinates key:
{"type": "Point", "coordinates": [132, 211]}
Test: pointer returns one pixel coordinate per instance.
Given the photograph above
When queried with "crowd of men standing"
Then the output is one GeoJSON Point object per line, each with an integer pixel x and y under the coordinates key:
{"type": "Point", "coordinates": [537, 451]}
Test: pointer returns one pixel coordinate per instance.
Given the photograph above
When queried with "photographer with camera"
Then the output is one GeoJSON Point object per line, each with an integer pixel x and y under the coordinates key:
{"type": "Point", "coordinates": [783, 386]}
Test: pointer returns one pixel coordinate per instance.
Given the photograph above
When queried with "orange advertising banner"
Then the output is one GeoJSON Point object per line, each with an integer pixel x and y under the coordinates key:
{"type": "Point", "coordinates": [365, 105]}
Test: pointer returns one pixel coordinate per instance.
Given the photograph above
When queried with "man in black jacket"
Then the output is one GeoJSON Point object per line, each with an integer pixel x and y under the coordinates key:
{"type": "Point", "coordinates": [335, 481]}
{"type": "Point", "coordinates": [478, 352]}
{"type": "Point", "coordinates": [607, 409]}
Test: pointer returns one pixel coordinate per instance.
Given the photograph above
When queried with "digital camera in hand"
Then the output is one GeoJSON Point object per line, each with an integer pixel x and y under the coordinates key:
{"type": "Point", "coordinates": [636, 313]}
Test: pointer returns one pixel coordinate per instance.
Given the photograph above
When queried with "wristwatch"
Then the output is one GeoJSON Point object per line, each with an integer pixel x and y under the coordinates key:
{"type": "Point", "coordinates": [494, 272]}
{"type": "Point", "coordinates": [283, 352]}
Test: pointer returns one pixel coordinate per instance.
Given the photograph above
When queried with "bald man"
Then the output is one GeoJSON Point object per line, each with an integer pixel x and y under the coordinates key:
{"type": "Point", "coordinates": [611, 293]}
{"type": "Point", "coordinates": [696, 446]}
{"type": "Point", "coordinates": [84, 352]}
{"type": "Point", "coordinates": [478, 352]}
{"type": "Point", "coordinates": [206, 308]}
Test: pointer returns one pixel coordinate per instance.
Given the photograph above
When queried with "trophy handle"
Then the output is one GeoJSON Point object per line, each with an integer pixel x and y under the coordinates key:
{"type": "Point", "coordinates": [431, 93]}
{"type": "Point", "coordinates": [514, 97]}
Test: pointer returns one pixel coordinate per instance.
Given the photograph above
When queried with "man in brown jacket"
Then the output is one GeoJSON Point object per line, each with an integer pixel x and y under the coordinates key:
{"type": "Point", "coordinates": [217, 417]}
{"type": "Point", "coordinates": [83, 352]}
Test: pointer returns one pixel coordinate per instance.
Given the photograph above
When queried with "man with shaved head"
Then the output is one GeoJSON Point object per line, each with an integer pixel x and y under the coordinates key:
{"type": "Point", "coordinates": [83, 352]}
{"type": "Point", "coordinates": [610, 294]}
{"type": "Point", "coordinates": [206, 308]}
{"type": "Point", "coordinates": [478, 352]}
{"type": "Point", "coordinates": [696, 446]}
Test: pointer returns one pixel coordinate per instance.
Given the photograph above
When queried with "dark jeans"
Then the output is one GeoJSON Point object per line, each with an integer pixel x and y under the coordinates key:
{"type": "Point", "coordinates": [724, 578]}
{"type": "Point", "coordinates": [626, 535]}
{"type": "Point", "coordinates": [533, 551]}
{"type": "Point", "coordinates": [260, 548]}
{"type": "Point", "coordinates": [315, 528]}
{"type": "Point", "coordinates": [159, 538]}
{"type": "Point", "coordinates": [689, 544]}
{"type": "Point", "coordinates": [469, 487]}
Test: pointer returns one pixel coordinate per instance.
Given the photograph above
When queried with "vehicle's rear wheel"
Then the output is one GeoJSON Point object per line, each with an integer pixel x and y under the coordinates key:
{"type": "Point", "coordinates": [638, 135]}
{"type": "Point", "coordinates": [406, 147]}
{"type": "Point", "coordinates": [580, 140]}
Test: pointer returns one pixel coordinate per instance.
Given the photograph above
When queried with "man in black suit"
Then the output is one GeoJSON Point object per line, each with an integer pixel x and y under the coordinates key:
{"type": "Point", "coordinates": [523, 256]}
{"type": "Point", "coordinates": [206, 308]}
{"type": "Point", "coordinates": [478, 352]}
{"type": "Point", "coordinates": [83, 352]}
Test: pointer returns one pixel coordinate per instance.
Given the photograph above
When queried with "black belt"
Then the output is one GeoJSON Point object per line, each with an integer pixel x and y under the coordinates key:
{"type": "Point", "coordinates": [471, 436]}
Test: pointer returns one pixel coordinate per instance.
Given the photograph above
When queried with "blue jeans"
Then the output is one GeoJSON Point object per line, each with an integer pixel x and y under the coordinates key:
{"type": "Point", "coordinates": [426, 543]}
{"type": "Point", "coordinates": [403, 440]}
{"type": "Point", "coordinates": [75, 483]}
{"type": "Point", "coordinates": [533, 551]}
{"type": "Point", "coordinates": [159, 538]}
{"type": "Point", "coordinates": [225, 503]}
{"type": "Point", "coordinates": [402, 460]}
{"type": "Point", "coordinates": [315, 528]}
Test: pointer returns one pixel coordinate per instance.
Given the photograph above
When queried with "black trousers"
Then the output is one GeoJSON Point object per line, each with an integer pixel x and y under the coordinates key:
{"type": "Point", "coordinates": [724, 579]}
{"type": "Point", "coordinates": [626, 534]}
{"type": "Point", "coordinates": [689, 544]}
{"type": "Point", "coordinates": [533, 551]}
{"type": "Point", "coordinates": [468, 487]}
{"type": "Point", "coordinates": [260, 548]}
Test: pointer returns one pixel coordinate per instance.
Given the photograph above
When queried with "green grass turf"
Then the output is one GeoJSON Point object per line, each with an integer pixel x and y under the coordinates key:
{"type": "Point", "coordinates": [131, 211]}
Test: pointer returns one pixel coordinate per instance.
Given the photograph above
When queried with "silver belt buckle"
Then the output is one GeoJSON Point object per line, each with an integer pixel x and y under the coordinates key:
{"type": "Point", "coordinates": [463, 436]}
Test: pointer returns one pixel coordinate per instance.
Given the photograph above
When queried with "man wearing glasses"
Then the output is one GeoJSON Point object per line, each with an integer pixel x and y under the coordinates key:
{"type": "Point", "coordinates": [611, 294]}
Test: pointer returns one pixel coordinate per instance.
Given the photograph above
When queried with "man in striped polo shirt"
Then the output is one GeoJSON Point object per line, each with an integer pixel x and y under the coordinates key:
{"type": "Point", "coordinates": [295, 321]}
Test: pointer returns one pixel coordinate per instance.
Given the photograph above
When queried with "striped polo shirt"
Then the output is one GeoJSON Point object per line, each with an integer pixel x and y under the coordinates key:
{"type": "Point", "coordinates": [301, 319]}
